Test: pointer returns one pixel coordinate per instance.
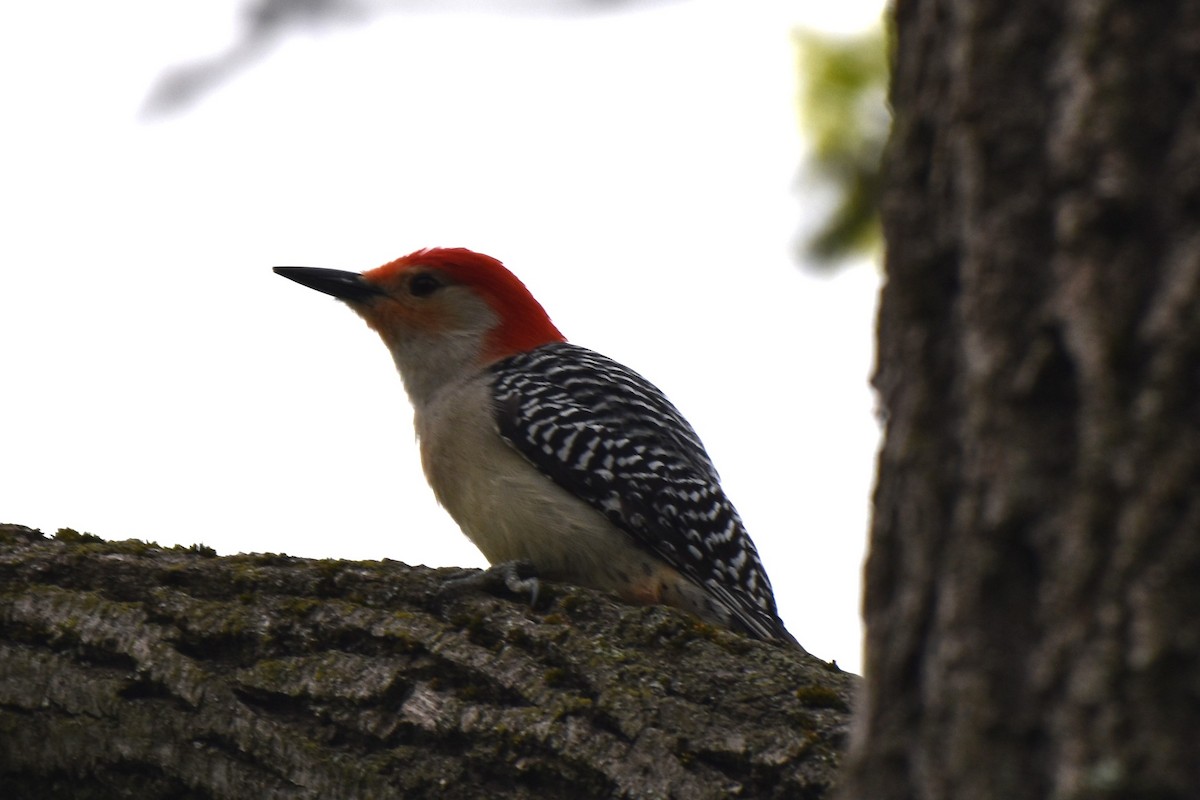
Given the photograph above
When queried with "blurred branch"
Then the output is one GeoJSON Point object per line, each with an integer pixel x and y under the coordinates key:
{"type": "Point", "coordinates": [263, 22]}
{"type": "Point", "coordinates": [266, 21]}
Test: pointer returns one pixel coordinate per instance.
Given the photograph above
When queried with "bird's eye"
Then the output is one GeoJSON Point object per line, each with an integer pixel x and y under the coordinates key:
{"type": "Point", "coordinates": [424, 284]}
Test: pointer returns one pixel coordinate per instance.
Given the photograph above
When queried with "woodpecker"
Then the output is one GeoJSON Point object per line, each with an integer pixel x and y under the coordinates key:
{"type": "Point", "coordinates": [549, 453]}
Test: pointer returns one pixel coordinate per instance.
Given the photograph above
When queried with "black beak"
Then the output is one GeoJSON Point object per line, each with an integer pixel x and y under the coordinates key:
{"type": "Point", "coordinates": [348, 286]}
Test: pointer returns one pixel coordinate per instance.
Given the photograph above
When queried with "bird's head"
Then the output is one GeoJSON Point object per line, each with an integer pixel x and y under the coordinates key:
{"type": "Point", "coordinates": [442, 312]}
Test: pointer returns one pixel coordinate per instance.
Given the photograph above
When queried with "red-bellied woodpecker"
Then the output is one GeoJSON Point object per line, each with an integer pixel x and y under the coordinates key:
{"type": "Point", "coordinates": [547, 452]}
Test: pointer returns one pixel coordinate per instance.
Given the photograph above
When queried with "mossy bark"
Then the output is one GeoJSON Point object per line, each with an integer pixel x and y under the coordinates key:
{"type": "Point", "coordinates": [130, 670]}
{"type": "Point", "coordinates": [1033, 587]}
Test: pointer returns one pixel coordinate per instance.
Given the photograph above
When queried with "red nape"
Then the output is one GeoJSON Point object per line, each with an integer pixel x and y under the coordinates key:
{"type": "Point", "coordinates": [524, 324]}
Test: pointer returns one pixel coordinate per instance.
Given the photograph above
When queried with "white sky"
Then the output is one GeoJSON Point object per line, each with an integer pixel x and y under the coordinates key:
{"type": "Point", "coordinates": [635, 169]}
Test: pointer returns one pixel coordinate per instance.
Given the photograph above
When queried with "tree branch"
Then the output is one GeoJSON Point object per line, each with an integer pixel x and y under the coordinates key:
{"type": "Point", "coordinates": [134, 670]}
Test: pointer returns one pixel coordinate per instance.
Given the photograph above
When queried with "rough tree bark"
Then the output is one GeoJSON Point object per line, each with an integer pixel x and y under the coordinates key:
{"type": "Point", "coordinates": [129, 670]}
{"type": "Point", "coordinates": [1033, 588]}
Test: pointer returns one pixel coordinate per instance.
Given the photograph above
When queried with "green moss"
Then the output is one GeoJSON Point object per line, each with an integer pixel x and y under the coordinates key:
{"type": "Point", "coordinates": [299, 606]}
{"type": "Point", "coordinates": [271, 672]}
{"type": "Point", "coordinates": [572, 704]}
{"type": "Point", "coordinates": [72, 536]}
{"type": "Point", "coordinates": [89, 544]}
{"type": "Point", "coordinates": [571, 603]}
{"type": "Point", "coordinates": [19, 534]}
{"type": "Point", "coordinates": [518, 637]}
{"type": "Point", "coordinates": [815, 696]}
{"type": "Point", "coordinates": [133, 547]}
{"type": "Point", "coordinates": [677, 630]}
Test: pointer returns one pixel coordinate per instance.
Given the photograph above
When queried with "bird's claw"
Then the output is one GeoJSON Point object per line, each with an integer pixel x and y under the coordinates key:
{"type": "Point", "coordinates": [507, 574]}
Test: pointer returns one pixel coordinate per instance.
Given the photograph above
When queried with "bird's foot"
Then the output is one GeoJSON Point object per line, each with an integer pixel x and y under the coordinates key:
{"type": "Point", "coordinates": [518, 577]}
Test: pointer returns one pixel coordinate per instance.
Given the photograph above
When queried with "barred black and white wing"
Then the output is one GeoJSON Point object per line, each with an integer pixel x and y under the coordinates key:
{"type": "Point", "coordinates": [611, 438]}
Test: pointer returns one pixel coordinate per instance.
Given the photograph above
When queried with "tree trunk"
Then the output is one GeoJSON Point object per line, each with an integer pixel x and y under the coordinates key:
{"type": "Point", "coordinates": [1033, 587]}
{"type": "Point", "coordinates": [128, 670]}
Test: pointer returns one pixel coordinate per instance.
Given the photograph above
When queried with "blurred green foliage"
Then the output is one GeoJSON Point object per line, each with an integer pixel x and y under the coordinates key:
{"type": "Point", "coordinates": [845, 116]}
